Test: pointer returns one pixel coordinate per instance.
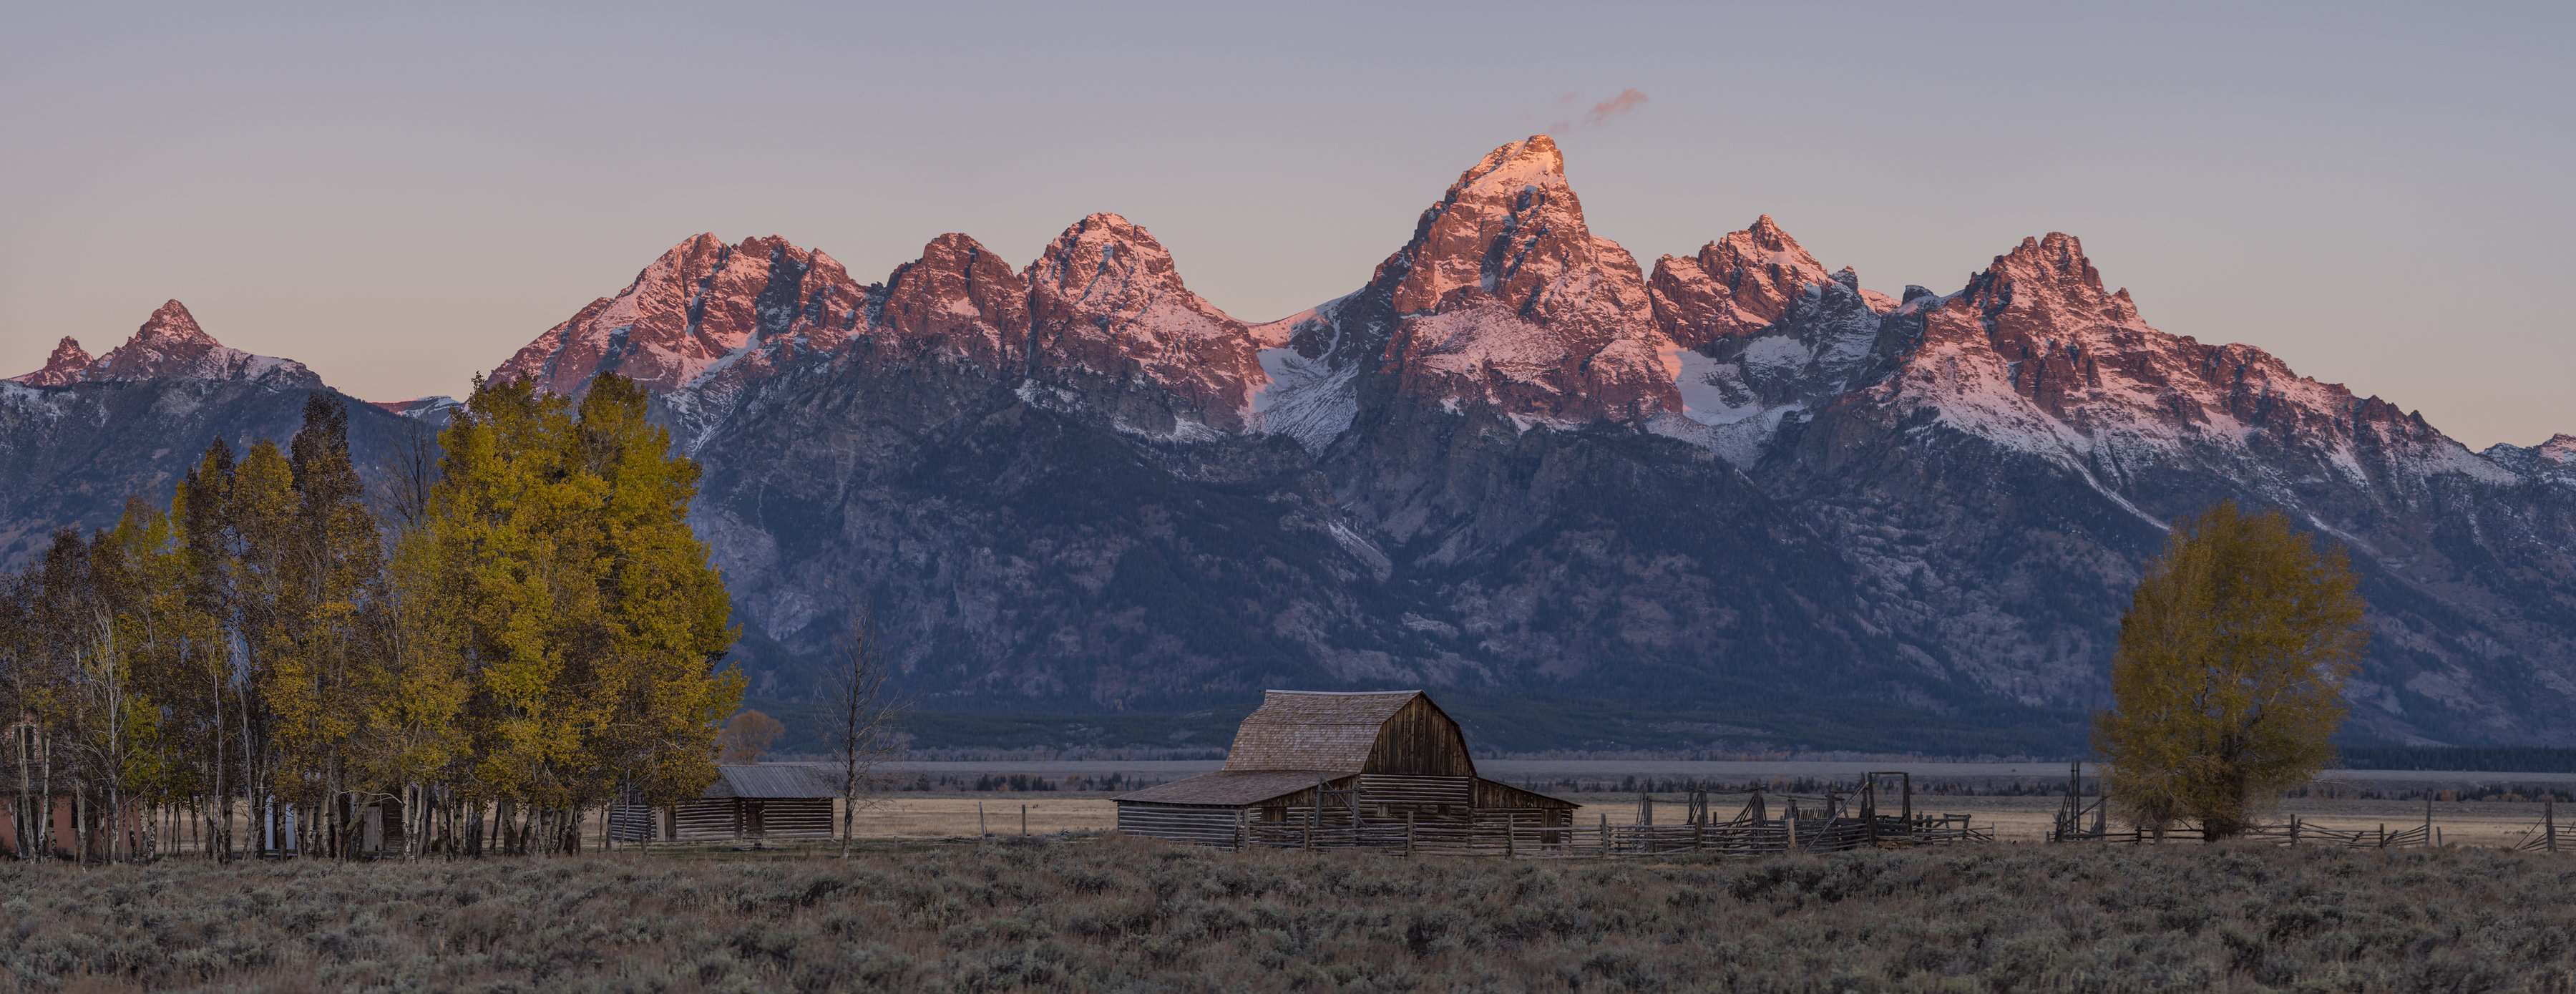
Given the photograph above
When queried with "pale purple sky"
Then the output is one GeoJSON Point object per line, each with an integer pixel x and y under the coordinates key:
{"type": "Point", "coordinates": [400, 195]}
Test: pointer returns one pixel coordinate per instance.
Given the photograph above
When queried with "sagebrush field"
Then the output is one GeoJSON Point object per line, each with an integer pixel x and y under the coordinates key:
{"type": "Point", "coordinates": [1116, 915]}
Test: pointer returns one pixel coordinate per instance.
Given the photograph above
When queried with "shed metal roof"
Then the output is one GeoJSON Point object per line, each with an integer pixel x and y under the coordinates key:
{"type": "Point", "coordinates": [764, 781]}
{"type": "Point", "coordinates": [1231, 788]}
{"type": "Point", "coordinates": [1309, 730]}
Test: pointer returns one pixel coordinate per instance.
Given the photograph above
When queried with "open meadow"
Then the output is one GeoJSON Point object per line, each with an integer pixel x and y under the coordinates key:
{"type": "Point", "coordinates": [1116, 914]}
{"type": "Point", "coordinates": [950, 815]}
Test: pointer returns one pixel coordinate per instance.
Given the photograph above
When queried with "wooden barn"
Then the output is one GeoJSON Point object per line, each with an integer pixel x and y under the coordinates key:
{"type": "Point", "coordinates": [1342, 770]}
{"type": "Point", "coordinates": [751, 803]}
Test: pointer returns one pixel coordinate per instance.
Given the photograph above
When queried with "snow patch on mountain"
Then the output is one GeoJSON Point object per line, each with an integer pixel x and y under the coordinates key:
{"type": "Point", "coordinates": [1310, 398]}
{"type": "Point", "coordinates": [170, 345]}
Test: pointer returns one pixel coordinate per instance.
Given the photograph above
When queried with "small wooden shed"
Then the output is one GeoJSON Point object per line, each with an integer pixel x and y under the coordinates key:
{"type": "Point", "coordinates": [756, 802]}
{"type": "Point", "coordinates": [1336, 770]}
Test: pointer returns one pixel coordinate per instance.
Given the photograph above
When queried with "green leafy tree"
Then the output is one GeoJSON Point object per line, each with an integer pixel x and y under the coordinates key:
{"type": "Point", "coordinates": [665, 610]}
{"type": "Point", "coordinates": [592, 624]}
{"type": "Point", "coordinates": [324, 670]}
{"type": "Point", "coordinates": [2228, 679]}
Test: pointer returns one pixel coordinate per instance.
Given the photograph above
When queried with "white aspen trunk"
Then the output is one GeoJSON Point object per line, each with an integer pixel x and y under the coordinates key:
{"type": "Point", "coordinates": [24, 737]}
{"type": "Point", "coordinates": [216, 831]}
{"type": "Point", "coordinates": [45, 832]}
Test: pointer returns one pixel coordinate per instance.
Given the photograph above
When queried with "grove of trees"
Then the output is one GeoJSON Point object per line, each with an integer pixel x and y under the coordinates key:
{"type": "Point", "coordinates": [518, 632]}
{"type": "Point", "coordinates": [2229, 675]}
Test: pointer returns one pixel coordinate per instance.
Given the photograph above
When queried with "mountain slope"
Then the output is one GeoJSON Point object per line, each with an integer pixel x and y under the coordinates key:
{"type": "Point", "coordinates": [1737, 502]}
{"type": "Point", "coordinates": [1741, 496]}
{"type": "Point", "coordinates": [82, 434]}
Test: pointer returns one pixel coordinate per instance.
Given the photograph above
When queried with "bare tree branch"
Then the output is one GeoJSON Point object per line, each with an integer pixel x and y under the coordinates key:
{"type": "Point", "coordinates": [863, 712]}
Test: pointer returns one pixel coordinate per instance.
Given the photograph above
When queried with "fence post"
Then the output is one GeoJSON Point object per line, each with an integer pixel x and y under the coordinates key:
{"type": "Point", "coordinates": [1315, 815]}
{"type": "Point", "coordinates": [1792, 822]}
{"type": "Point", "coordinates": [1408, 835]}
{"type": "Point", "coordinates": [1605, 835]}
{"type": "Point", "coordinates": [2549, 820]}
{"type": "Point", "coordinates": [1511, 821]}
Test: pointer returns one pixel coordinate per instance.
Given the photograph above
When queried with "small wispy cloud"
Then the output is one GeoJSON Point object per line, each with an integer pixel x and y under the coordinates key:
{"type": "Point", "coordinates": [1627, 101]}
{"type": "Point", "coordinates": [1601, 113]}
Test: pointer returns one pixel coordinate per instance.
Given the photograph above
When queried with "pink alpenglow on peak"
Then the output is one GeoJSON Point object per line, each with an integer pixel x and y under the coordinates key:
{"type": "Point", "coordinates": [1509, 300]}
{"type": "Point", "coordinates": [699, 303]}
{"type": "Point", "coordinates": [61, 368]}
{"type": "Point", "coordinates": [2035, 354]}
{"type": "Point", "coordinates": [1739, 284]}
{"type": "Point", "coordinates": [170, 340]}
{"type": "Point", "coordinates": [169, 345]}
{"type": "Point", "coordinates": [962, 299]}
{"type": "Point", "coordinates": [1106, 304]}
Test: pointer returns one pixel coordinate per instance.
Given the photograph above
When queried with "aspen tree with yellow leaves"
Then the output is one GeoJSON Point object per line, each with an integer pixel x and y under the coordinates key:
{"type": "Point", "coordinates": [2229, 675]}
{"type": "Point", "coordinates": [261, 667]}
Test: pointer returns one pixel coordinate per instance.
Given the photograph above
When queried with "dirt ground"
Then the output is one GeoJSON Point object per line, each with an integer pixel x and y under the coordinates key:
{"type": "Point", "coordinates": [934, 815]}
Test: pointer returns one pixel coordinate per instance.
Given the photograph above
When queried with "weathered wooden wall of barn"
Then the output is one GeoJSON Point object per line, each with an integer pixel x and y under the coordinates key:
{"type": "Point", "coordinates": [1503, 796]}
{"type": "Point", "coordinates": [1421, 740]}
{"type": "Point", "coordinates": [705, 820]}
{"type": "Point", "coordinates": [796, 817]}
{"type": "Point", "coordinates": [1206, 826]}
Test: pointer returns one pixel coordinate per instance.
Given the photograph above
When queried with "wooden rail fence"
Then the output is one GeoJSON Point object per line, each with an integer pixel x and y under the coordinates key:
{"type": "Point", "coordinates": [1521, 835]}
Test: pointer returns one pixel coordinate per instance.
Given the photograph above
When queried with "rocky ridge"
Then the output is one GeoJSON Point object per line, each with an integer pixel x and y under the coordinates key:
{"type": "Point", "coordinates": [81, 435]}
{"type": "Point", "coordinates": [1518, 462]}
{"type": "Point", "coordinates": [1740, 501]}
{"type": "Point", "coordinates": [170, 344]}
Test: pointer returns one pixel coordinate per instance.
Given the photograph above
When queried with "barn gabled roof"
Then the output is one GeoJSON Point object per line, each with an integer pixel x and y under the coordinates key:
{"type": "Point", "coordinates": [1230, 788]}
{"type": "Point", "coordinates": [764, 781]}
{"type": "Point", "coordinates": [1314, 730]}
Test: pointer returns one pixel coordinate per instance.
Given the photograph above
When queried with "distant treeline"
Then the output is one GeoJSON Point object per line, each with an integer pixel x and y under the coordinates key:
{"type": "Point", "coordinates": [2498, 759]}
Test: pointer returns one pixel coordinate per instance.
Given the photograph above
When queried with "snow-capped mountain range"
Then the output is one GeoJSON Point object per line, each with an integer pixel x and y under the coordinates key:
{"type": "Point", "coordinates": [1738, 498]}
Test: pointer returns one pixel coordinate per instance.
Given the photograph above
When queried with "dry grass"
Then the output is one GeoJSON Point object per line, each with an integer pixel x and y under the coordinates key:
{"type": "Point", "coordinates": [1114, 914]}
{"type": "Point", "coordinates": [933, 815]}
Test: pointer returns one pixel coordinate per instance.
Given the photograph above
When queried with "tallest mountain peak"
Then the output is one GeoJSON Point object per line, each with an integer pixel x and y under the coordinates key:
{"type": "Point", "coordinates": [1530, 161]}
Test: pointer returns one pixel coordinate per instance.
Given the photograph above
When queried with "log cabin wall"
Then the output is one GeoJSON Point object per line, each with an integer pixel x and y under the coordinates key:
{"type": "Point", "coordinates": [1199, 825]}
{"type": "Point", "coordinates": [1421, 740]}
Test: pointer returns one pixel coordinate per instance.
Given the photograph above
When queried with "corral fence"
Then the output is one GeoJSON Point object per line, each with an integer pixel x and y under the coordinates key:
{"type": "Point", "coordinates": [1831, 823]}
{"type": "Point", "coordinates": [2079, 820]}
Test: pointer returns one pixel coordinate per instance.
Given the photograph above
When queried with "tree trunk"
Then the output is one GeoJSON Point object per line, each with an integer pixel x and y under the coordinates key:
{"type": "Point", "coordinates": [45, 831]}
{"type": "Point", "coordinates": [24, 737]}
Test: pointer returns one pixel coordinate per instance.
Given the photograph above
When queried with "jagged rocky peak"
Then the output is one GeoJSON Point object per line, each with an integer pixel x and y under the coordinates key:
{"type": "Point", "coordinates": [698, 304]}
{"type": "Point", "coordinates": [169, 342]}
{"type": "Point", "coordinates": [2035, 353]}
{"type": "Point", "coordinates": [1106, 306]}
{"type": "Point", "coordinates": [169, 345]}
{"type": "Point", "coordinates": [62, 367]}
{"type": "Point", "coordinates": [1741, 284]}
{"type": "Point", "coordinates": [2553, 461]}
{"type": "Point", "coordinates": [1510, 301]}
{"type": "Point", "coordinates": [961, 297]}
